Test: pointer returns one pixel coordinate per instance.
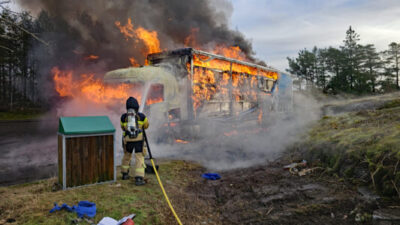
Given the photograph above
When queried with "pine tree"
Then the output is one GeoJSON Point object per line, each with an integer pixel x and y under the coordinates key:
{"type": "Point", "coordinates": [353, 54]}
{"type": "Point", "coordinates": [371, 66]}
{"type": "Point", "coordinates": [335, 61]}
{"type": "Point", "coordinates": [322, 68]}
{"type": "Point", "coordinates": [393, 60]}
{"type": "Point", "coordinates": [304, 66]}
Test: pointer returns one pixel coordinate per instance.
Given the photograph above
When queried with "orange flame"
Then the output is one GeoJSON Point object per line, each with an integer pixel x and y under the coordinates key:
{"type": "Point", "coordinates": [231, 133]}
{"type": "Point", "coordinates": [243, 79]}
{"type": "Point", "coordinates": [233, 52]}
{"type": "Point", "coordinates": [204, 86]}
{"type": "Point", "coordinates": [151, 101]}
{"type": "Point", "coordinates": [87, 87]}
{"type": "Point", "coordinates": [91, 57]}
{"type": "Point", "coordinates": [222, 65]}
{"type": "Point", "coordinates": [260, 116]}
{"type": "Point", "coordinates": [62, 80]}
{"type": "Point", "coordinates": [94, 90]}
{"type": "Point", "coordinates": [181, 141]}
{"type": "Point", "coordinates": [149, 38]}
{"type": "Point", "coordinates": [170, 124]}
{"type": "Point", "coordinates": [134, 63]}
{"type": "Point", "coordinates": [126, 30]}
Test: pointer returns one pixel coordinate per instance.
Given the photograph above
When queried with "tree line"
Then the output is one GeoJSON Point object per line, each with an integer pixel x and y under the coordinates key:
{"type": "Point", "coordinates": [25, 50]}
{"type": "Point", "coordinates": [352, 68]}
{"type": "Point", "coordinates": [18, 67]}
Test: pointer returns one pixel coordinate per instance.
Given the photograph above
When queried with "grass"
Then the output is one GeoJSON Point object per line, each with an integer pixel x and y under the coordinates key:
{"type": "Point", "coordinates": [21, 115]}
{"type": "Point", "coordinates": [30, 203]}
{"type": "Point", "coordinates": [363, 146]}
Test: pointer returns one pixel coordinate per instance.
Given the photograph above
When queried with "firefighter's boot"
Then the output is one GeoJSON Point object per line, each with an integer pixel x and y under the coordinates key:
{"type": "Point", "coordinates": [125, 176]}
{"type": "Point", "coordinates": [139, 181]}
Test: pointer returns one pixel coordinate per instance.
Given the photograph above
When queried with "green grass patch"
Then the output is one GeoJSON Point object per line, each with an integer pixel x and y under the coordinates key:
{"type": "Point", "coordinates": [391, 104]}
{"type": "Point", "coordinates": [21, 115]}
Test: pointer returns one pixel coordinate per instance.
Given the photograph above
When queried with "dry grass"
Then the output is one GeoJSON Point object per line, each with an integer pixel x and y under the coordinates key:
{"type": "Point", "coordinates": [363, 145]}
{"type": "Point", "coordinates": [30, 203]}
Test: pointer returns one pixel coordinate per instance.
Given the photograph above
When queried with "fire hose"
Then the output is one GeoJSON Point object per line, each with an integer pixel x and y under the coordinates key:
{"type": "Point", "coordinates": [159, 180]}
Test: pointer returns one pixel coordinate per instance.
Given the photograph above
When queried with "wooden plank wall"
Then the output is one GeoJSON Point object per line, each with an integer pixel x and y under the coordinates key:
{"type": "Point", "coordinates": [60, 161]}
{"type": "Point", "coordinates": [89, 160]}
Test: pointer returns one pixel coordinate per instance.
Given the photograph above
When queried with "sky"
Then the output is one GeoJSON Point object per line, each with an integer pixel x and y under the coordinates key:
{"type": "Point", "coordinates": [280, 28]}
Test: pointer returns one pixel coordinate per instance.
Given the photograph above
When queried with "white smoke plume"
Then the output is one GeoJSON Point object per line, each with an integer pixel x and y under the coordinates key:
{"type": "Point", "coordinates": [249, 144]}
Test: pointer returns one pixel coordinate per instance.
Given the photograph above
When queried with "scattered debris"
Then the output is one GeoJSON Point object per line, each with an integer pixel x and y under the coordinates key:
{"type": "Point", "coordinates": [84, 208]}
{"type": "Point", "coordinates": [386, 214]}
{"type": "Point", "coordinates": [295, 165]}
{"type": "Point", "coordinates": [367, 194]}
{"type": "Point", "coordinates": [304, 172]}
{"type": "Point", "coordinates": [299, 168]}
{"type": "Point", "coordinates": [269, 211]}
{"type": "Point", "coordinates": [211, 176]}
{"type": "Point", "coordinates": [362, 217]}
{"type": "Point", "coordinates": [128, 220]}
{"type": "Point", "coordinates": [358, 217]}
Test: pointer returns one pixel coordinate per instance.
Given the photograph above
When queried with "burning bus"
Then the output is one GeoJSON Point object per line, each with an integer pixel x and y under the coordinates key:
{"type": "Point", "coordinates": [183, 86]}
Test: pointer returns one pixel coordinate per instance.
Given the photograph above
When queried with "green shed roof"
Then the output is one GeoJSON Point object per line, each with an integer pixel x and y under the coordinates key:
{"type": "Point", "coordinates": [85, 125]}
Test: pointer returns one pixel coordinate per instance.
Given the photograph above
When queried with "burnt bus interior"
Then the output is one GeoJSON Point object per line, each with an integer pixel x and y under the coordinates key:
{"type": "Point", "coordinates": [217, 86]}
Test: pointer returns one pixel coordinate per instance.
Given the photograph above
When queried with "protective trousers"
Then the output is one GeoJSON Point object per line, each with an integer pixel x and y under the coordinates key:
{"type": "Point", "coordinates": [140, 152]}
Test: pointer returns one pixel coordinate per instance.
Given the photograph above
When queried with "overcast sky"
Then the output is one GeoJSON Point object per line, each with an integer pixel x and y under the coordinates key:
{"type": "Point", "coordinates": [280, 28]}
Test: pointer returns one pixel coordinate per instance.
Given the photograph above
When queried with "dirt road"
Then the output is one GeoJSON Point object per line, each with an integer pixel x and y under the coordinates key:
{"type": "Point", "coordinates": [28, 150]}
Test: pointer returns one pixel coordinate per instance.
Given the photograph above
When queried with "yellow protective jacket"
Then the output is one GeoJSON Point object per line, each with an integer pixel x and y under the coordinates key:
{"type": "Point", "coordinates": [142, 122]}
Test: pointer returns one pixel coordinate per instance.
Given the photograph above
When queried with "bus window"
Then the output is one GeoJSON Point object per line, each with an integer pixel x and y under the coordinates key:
{"type": "Point", "coordinates": [156, 94]}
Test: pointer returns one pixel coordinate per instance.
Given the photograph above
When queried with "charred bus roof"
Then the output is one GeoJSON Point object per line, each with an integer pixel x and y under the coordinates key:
{"type": "Point", "coordinates": [188, 53]}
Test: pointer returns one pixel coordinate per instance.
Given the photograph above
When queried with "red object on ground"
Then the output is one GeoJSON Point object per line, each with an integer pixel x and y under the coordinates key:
{"type": "Point", "coordinates": [128, 222]}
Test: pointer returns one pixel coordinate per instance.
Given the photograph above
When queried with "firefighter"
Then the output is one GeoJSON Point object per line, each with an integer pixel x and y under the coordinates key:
{"type": "Point", "coordinates": [132, 123]}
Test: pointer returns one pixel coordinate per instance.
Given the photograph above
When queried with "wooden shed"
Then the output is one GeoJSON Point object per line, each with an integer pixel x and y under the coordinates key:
{"type": "Point", "coordinates": [86, 151]}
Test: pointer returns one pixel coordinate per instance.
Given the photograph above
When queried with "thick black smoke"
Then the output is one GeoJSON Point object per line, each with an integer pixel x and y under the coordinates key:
{"type": "Point", "coordinates": [78, 28]}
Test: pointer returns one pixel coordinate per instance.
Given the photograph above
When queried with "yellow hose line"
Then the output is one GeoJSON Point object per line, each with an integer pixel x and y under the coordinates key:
{"type": "Point", "coordinates": [165, 194]}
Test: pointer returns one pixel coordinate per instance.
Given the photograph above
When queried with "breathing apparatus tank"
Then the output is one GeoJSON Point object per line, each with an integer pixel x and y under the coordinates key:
{"type": "Point", "coordinates": [132, 107]}
{"type": "Point", "coordinates": [133, 128]}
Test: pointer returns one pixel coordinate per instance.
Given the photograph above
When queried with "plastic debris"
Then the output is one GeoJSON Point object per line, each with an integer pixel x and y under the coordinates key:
{"type": "Point", "coordinates": [304, 172]}
{"type": "Point", "coordinates": [84, 208]}
{"type": "Point", "coordinates": [295, 165]}
{"type": "Point", "coordinates": [299, 168]}
{"type": "Point", "coordinates": [386, 214]}
{"type": "Point", "coordinates": [128, 220]}
{"type": "Point", "coordinates": [211, 176]}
